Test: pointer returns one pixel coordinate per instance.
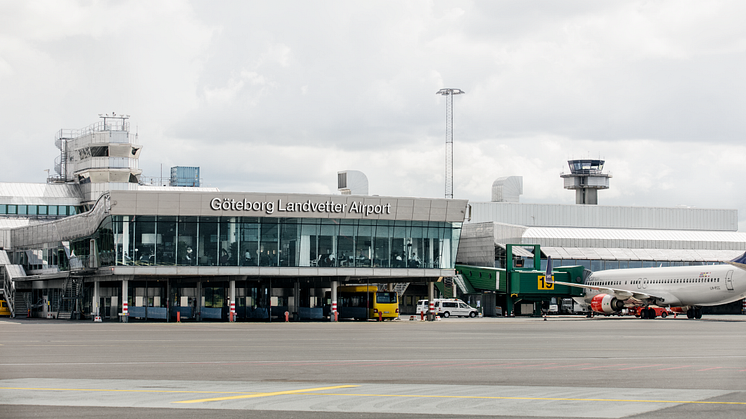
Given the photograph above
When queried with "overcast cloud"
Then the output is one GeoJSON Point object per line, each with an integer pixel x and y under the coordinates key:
{"type": "Point", "coordinates": [278, 96]}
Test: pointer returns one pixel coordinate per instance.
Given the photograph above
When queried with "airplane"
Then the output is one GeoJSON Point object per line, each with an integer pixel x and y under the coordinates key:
{"type": "Point", "coordinates": [682, 288]}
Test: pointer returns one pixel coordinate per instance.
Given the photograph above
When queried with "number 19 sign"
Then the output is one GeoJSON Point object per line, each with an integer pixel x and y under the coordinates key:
{"type": "Point", "coordinates": [544, 285]}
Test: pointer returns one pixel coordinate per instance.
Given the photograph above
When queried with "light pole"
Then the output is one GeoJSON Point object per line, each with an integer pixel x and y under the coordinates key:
{"type": "Point", "coordinates": [449, 93]}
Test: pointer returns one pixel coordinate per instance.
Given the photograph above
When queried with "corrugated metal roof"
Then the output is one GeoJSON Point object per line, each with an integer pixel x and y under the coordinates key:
{"type": "Point", "coordinates": [673, 255]}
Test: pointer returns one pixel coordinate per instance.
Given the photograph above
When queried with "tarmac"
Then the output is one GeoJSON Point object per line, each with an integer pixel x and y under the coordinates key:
{"type": "Point", "coordinates": [564, 366]}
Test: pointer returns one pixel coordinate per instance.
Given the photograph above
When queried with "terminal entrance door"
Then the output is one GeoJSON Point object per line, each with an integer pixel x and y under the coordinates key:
{"type": "Point", "coordinates": [182, 300]}
{"type": "Point", "coordinates": [252, 300]}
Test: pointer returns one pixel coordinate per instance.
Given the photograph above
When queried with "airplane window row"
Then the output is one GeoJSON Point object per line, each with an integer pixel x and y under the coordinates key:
{"type": "Point", "coordinates": [657, 281]}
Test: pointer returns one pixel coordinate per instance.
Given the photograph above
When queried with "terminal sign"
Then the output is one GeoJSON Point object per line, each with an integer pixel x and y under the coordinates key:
{"type": "Point", "coordinates": [328, 207]}
{"type": "Point", "coordinates": [544, 284]}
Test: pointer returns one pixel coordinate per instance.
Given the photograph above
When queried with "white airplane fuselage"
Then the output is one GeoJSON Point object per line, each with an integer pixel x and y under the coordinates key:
{"type": "Point", "coordinates": [677, 286]}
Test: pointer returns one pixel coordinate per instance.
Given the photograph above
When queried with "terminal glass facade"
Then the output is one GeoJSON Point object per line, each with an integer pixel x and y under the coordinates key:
{"type": "Point", "coordinates": [53, 210]}
{"type": "Point", "coordinates": [281, 242]}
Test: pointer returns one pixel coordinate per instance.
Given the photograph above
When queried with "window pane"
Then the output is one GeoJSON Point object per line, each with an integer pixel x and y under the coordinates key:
{"type": "Point", "coordinates": [249, 241]}
{"type": "Point", "coordinates": [186, 249]}
{"type": "Point", "coordinates": [207, 245]}
{"type": "Point", "coordinates": [165, 253]}
{"type": "Point", "coordinates": [229, 229]}
{"type": "Point", "coordinates": [269, 235]}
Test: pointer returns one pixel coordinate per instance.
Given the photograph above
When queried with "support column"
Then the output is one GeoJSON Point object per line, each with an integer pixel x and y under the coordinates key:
{"type": "Point", "coordinates": [125, 299]}
{"type": "Point", "coordinates": [96, 299]}
{"type": "Point", "coordinates": [232, 296]}
{"type": "Point", "coordinates": [296, 300]}
{"type": "Point", "coordinates": [332, 316]}
{"type": "Point", "coordinates": [431, 298]}
{"type": "Point", "coordinates": [198, 302]}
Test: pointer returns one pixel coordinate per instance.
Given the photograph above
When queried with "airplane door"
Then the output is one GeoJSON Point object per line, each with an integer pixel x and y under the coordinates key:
{"type": "Point", "coordinates": [729, 280]}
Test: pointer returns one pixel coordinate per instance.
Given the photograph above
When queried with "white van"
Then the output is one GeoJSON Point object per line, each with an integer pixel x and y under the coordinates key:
{"type": "Point", "coordinates": [447, 307]}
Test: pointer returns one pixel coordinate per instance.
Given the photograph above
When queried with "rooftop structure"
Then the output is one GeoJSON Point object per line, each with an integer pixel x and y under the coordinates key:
{"type": "Point", "coordinates": [507, 189]}
{"type": "Point", "coordinates": [182, 176]}
{"type": "Point", "coordinates": [352, 182]}
{"type": "Point", "coordinates": [101, 157]}
{"type": "Point", "coordinates": [586, 177]}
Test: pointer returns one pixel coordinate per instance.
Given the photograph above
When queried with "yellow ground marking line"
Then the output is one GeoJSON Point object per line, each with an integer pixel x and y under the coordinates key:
{"type": "Point", "coordinates": [435, 396]}
{"type": "Point", "coordinates": [127, 390]}
{"type": "Point", "coordinates": [275, 393]}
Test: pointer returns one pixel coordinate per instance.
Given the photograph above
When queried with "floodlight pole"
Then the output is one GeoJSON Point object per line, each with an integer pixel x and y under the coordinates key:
{"type": "Point", "coordinates": [448, 93]}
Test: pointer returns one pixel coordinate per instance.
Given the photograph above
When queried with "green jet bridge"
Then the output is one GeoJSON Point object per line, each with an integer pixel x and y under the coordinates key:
{"type": "Point", "coordinates": [501, 291]}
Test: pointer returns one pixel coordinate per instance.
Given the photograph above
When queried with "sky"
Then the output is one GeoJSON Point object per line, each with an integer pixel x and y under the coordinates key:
{"type": "Point", "coordinates": [278, 96]}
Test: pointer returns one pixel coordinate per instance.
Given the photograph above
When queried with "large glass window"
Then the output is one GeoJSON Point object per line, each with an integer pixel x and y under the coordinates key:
{"type": "Point", "coordinates": [289, 243]}
{"type": "Point", "coordinates": [327, 243]}
{"type": "Point", "coordinates": [186, 249]}
{"type": "Point", "coordinates": [269, 235]}
{"type": "Point", "coordinates": [364, 244]}
{"type": "Point", "coordinates": [145, 240]}
{"type": "Point", "coordinates": [208, 241]}
{"type": "Point", "coordinates": [229, 235]}
{"type": "Point", "coordinates": [346, 243]}
{"type": "Point", "coordinates": [236, 241]}
{"type": "Point", "coordinates": [381, 244]}
{"type": "Point", "coordinates": [166, 248]}
{"type": "Point", "coordinates": [249, 245]}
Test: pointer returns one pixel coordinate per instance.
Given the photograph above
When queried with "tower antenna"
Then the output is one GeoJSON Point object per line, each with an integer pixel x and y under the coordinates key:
{"type": "Point", "coordinates": [449, 93]}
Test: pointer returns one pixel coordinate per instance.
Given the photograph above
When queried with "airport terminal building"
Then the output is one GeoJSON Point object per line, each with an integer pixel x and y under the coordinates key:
{"type": "Point", "coordinates": [98, 240]}
{"type": "Point", "coordinates": [195, 252]}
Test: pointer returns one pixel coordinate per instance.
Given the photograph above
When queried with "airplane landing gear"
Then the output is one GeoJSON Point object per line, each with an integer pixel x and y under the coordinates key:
{"type": "Point", "coordinates": [694, 313]}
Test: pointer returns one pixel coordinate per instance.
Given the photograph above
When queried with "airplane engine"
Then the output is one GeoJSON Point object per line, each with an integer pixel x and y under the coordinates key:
{"type": "Point", "coordinates": [606, 303]}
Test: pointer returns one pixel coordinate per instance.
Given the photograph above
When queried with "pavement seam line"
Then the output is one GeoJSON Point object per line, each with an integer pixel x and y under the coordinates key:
{"type": "Point", "coordinates": [525, 398]}
{"type": "Point", "coordinates": [275, 393]}
{"type": "Point", "coordinates": [127, 390]}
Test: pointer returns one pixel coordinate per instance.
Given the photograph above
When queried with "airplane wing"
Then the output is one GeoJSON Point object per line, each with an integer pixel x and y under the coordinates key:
{"type": "Point", "coordinates": [620, 294]}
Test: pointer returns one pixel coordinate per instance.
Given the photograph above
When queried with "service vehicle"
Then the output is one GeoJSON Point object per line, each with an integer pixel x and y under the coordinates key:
{"type": "Point", "coordinates": [447, 307]}
{"type": "Point", "coordinates": [4, 309]}
{"type": "Point", "coordinates": [364, 302]}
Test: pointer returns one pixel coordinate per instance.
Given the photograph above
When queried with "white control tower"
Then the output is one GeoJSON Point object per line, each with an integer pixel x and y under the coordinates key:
{"type": "Point", "coordinates": [586, 178]}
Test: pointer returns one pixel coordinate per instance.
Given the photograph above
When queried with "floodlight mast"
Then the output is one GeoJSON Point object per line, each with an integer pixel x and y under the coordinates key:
{"type": "Point", "coordinates": [448, 93]}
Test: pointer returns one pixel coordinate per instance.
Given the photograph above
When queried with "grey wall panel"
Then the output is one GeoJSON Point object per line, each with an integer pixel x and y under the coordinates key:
{"type": "Point", "coordinates": [276, 205]}
{"type": "Point", "coordinates": [605, 216]}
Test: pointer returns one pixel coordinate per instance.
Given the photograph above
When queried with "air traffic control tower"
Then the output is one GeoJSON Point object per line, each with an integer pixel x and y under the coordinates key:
{"type": "Point", "coordinates": [586, 178]}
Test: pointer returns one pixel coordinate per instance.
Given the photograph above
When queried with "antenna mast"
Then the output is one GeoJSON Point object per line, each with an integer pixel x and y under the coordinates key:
{"type": "Point", "coordinates": [448, 93]}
